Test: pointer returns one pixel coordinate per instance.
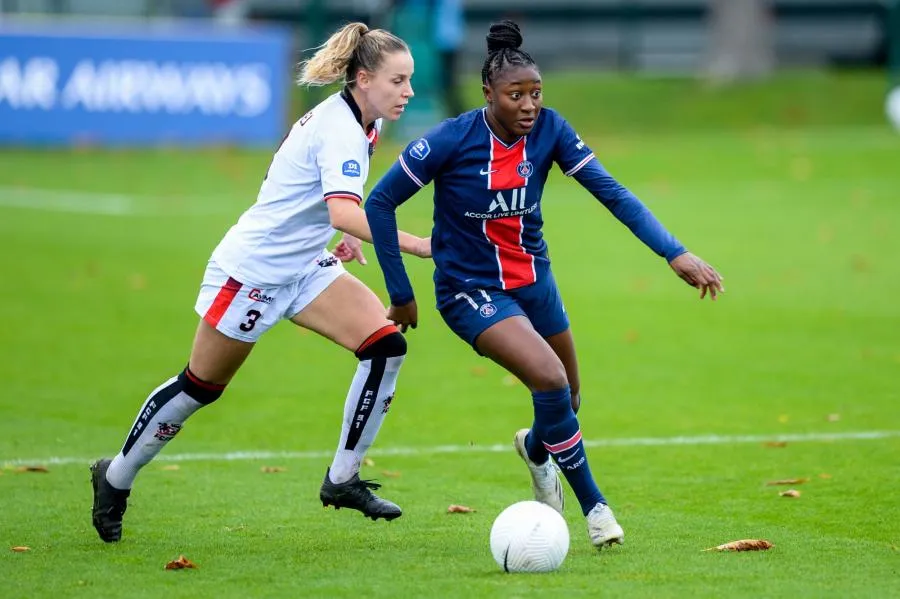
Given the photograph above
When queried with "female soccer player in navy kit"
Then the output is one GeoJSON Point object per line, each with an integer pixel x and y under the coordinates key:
{"type": "Point", "coordinates": [273, 265]}
{"type": "Point", "coordinates": [493, 281]}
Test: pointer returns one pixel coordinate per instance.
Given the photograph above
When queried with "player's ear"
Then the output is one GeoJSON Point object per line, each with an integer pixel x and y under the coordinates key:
{"type": "Point", "coordinates": [488, 93]}
{"type": "Point", "coordinates": [363, 79]}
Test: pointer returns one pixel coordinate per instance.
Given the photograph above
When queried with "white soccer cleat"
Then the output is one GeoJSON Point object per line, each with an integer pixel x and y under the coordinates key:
{"type": "Point", "coordinates": [603, 528]}
{"type": "Point", "coordinates": [544, 477]}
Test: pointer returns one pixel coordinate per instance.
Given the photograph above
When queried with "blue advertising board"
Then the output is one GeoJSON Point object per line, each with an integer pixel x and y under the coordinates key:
{"type": "Point", "coordinates": [130, 84]}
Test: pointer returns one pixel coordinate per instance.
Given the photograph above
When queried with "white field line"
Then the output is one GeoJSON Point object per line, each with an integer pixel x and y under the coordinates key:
{"type": "Point", "coordinates": [496, 448]}
{"type": "Point", "coordinates": [108, 204]}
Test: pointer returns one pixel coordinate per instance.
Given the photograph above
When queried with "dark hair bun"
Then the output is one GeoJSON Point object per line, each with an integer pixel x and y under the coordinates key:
{"type": "Point", "coordinates": [504, 34]}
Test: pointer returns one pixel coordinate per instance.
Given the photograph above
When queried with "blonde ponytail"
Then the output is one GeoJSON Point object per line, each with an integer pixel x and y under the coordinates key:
{"type": "Point", "coordinates": [349, 49]}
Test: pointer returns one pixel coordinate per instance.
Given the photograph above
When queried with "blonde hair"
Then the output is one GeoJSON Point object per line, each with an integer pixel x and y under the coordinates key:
{"type": "Point", "coordinates": [351, 48]}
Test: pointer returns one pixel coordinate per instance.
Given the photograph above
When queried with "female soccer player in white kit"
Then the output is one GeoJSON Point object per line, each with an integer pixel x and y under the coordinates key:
{"type": "Point", "coordinates": [273, 265]}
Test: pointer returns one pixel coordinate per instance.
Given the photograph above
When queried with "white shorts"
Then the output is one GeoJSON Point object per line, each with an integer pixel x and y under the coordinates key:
{"type": "Point", "coordinates": [244, 312]}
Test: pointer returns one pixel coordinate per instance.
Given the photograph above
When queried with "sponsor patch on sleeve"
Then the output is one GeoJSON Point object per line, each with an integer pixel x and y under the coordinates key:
{"type": "Point", "coordinates": [420, 149]}
{"type": "Point", "coordinates": [351, 168]}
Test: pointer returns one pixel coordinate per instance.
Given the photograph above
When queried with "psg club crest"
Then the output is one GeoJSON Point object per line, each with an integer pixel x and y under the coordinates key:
{"type": "Point", "coordinates": [525, 169]}
{"type": "Point", "coordinates": [487, 310]}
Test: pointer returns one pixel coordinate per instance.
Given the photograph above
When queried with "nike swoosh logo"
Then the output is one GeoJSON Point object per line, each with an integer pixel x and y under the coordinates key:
{"type": "Point", "coordinates": [484, 172]}
{"type": "Point", "coordinates": [563, 460]}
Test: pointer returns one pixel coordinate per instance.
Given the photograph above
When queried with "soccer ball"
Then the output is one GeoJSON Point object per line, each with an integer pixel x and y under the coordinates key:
{"type": "Point", "coordinates": [529, 537]}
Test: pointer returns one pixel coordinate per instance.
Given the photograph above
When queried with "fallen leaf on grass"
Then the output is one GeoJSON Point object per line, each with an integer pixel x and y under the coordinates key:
{"type": "Point", "coordinates": [368, 462]}
{"type": "Point", "coordinates": [743, 545]}
{"type": "Point", "coordinates": [834, 417]}
{"type": "Point", "coordinates": [459, 509]}
{"type": "Point", "coordinates": [825, 475]}
{"type": "Point", "coordinates": [790, 493]}
{"type": "Point", "coordinates": [181, 563]}
{"type": "Point", "coordinates": [21, 549]}
{"type": "Point", "coordinates": [32, 469]}
{"type": "Point", "coordinates": [171, 467]}
{"type": "Point", "coordinates": [783, 418]}
{"type": "Point", "coordinates": [775, 444]}
{"type": "Point", "coordinates": [272, 469]}
{"type": "Point", "coordinates": [787, 481]}
{"type": "Point", "coordinates": [478, 371]}
{"type": "Point", "coordinates": [391, 473]}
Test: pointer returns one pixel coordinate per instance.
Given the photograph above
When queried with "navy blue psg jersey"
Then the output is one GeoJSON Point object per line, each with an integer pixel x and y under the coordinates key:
{"type": "Point", "coordinates": [487, 196]}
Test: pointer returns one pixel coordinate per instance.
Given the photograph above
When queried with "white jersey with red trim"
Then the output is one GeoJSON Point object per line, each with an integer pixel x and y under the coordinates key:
{"type": "Point", "coordinates": [280, 237]}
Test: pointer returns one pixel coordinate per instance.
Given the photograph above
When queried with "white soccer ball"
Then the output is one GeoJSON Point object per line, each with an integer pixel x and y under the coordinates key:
{"type": "Point", "coordinates": [529, 537]}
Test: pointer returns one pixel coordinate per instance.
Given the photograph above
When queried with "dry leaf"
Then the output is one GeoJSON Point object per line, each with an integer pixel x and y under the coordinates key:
{"type": "Point", "coordinates": [459, 509]}
{"type": "Point", "coordinates": [272, 469]}
{"type": "Point", "coordinates": [509, 380]}
{"type": "Point", "coordinates": [790, 493]}
{"type": "Point", "coordinates": [743, 545]}
{"type": "Point", "coordinates": [391, 473]}
{"type": "Point", "coordinates": [368, 462]}
{"type": "Point", "coordinates": [32, 469]}
{"type": "Point", "coordinates": [479, 371]}
{"type": "Point", "coordinates": [783, 418]}
{"type": "Point", "coordinates": [21, 549]}
{"type": "Point", "coordinates": [171, 467]}
{"type": "Point", "coordinates": [834, 417]}
{"type": "Point", "coordinates": [775, 444]}
{"type": "Point", "coordinates": [787, 481]}
{"type": "Point", "coordinates": [181, 563]}
{"type": "Point", "coordinates": [825, 475]}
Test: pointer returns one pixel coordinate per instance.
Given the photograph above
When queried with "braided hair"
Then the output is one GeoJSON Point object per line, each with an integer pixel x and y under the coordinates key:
{"type": "Point", "coordinates": [503, 41]}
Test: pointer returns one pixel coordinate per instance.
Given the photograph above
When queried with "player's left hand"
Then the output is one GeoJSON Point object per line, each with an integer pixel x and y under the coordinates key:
{"type": "Point", "coordinates": [697, 273]}
{"type": "Point", "coordinates": [348, 249]}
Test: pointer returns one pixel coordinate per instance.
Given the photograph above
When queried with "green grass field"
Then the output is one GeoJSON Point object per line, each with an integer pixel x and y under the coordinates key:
{"type": "Point", "coordinates": [104, 253]}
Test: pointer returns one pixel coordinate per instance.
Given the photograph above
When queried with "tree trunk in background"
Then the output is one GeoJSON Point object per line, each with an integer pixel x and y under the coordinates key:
{"type": "Point", "coordinates": [741, 40]}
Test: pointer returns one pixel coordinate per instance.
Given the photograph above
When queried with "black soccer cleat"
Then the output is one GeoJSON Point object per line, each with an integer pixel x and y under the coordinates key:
{"type": "Point", "coordinates": [357, 494]}
{"type": "Point", "coordinates": [109, 503]}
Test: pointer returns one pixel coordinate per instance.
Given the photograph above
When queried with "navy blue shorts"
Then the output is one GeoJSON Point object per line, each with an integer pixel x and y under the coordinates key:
{"type": "Point", "coordinates": [470, 312]}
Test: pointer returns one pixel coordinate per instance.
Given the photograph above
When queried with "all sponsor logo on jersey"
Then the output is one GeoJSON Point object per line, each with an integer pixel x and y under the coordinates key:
{"type": "Point", "coordinates": [511, 204]}
{"type": "Point", "coordinates": [487, 310]}
{"type": "Point", "coordinates": [258, 296]}
{"type": "Point", "coordinates": [420, 149]}
{"type": "Point", "coordinates": [524, 169]}
{"type": "Point", "coordinates": [351, 169]}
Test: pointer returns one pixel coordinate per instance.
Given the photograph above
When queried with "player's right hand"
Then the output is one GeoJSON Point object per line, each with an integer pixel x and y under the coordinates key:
{"type": "Point", "coordinates": [404, 316]}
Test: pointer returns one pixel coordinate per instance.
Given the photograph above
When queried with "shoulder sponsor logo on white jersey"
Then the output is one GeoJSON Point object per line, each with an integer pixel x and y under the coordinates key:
{"type": "Point", "coordinates": [511, 204]}
{"type": "Point", "coordinates": [420, 149]}
{"type": "Point", "coordinates": [351, 168]}
{"type": "Point", "coordinates": [258, 296]}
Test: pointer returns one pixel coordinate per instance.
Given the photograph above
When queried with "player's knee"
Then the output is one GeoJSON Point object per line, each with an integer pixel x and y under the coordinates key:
{"type": "Point", "coordinates": [387, 342]}
{"type": "Point", "coordinates": [201, 391]}
{"type": "Point", "coordinates": [548, 377]}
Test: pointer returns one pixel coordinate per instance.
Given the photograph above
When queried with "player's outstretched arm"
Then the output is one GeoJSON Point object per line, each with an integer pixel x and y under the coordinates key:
{"type": "Point", "coordinates": [626, 207]}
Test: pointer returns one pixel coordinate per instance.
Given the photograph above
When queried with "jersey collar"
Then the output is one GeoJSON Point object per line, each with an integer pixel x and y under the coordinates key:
{"type": "Point", "coordinates": [354, 108]}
